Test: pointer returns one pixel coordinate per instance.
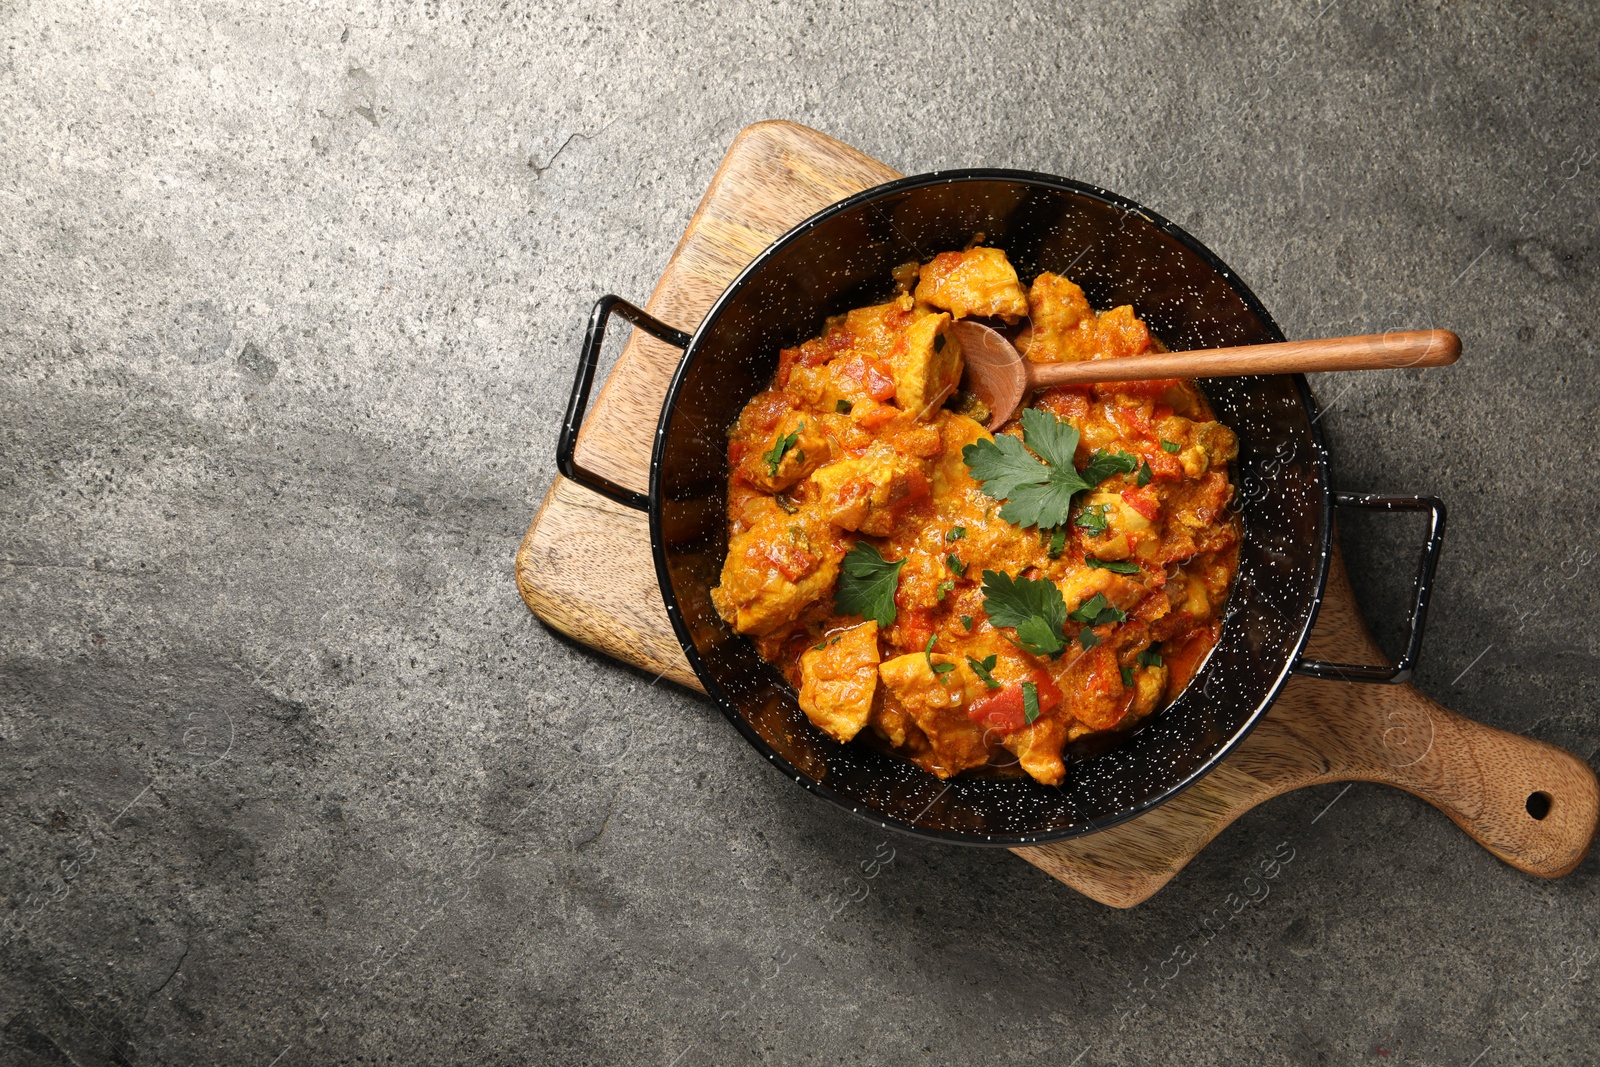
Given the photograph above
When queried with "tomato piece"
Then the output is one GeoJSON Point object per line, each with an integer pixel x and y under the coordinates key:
{"type": "Point", "coordinates": [1162, 411]}
{"type": "Point", "coordinates": [1144, 502]}
{"type": "Point", "coordinates": [1006, 710]}
{"type": "Point", "coordinates": [880, 415]}
{"type": "Point", "coordinates": [1133, 417]}
{"type": "Point", "coordinates": [915, 626]}
{"type": "Point", "coordinates": [871, 375]}
{"type": "Point", "coordinates": [1164, 466]}
{"type": "Point", "coordinates": [1002, 710]}
{"type": "Point", "coordinates": [1065, 401]}
{"type": "Point", "coordinates": [792, 561]}
{"type": "Point", "coordinates": [811, 354]}
{"type": "Point", "coordinates": [877, 381]}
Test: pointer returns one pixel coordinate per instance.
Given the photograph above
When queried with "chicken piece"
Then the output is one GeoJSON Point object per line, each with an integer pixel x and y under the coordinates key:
{"type": "Point", "coordinates": [1066, 330]}
{"type": "Point", "coordinates": [1148, 685]}
{"type": "Point", "coordinates": [1121, 333]}
{"type": "Point", "coordinates": [1063, 323]}
{"type": "Point", "coordinates": [1038, 749]}
{"type": "Point", "coordinates": [838, 679]}
{"type": "Point", "coordinates": [796, 446]}
{"type": "Point", "coordinates": [872, 493]}
{"type": "Point", "coordinates": [890, 722]}
{"type": "Point", "coordinates": [1093, 686]}
{"type": "Point", "coordinates": [874, 331]}
{"type": "Point", "coordinates": [1081, 583]}
{"type": "Point", "coordinates": [927, 365]}
{"type": "Point", "coordinates": [775, 569]}
{"type": "Point", "coordinates": [937, 701]}
{"type": "Point", "coordinates": [979, 281]}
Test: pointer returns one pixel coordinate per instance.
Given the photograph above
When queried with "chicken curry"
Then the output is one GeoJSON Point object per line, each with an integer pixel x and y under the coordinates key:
{"type": "Point", "coordinates": [974, 599]}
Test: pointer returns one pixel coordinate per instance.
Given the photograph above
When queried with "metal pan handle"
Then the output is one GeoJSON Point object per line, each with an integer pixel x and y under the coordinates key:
{"type": "Point", "coordinates": [1401, 671]}
{"type": "Point", "coordinates": [578, 406]}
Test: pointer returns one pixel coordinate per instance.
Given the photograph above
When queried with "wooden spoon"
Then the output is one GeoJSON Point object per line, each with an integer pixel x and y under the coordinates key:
{"type": "Point", "coordinates": [1002, 379]}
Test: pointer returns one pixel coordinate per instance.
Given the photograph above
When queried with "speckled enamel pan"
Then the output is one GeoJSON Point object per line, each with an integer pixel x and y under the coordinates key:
{"type": "Point", "coordinates": [1120, 253]}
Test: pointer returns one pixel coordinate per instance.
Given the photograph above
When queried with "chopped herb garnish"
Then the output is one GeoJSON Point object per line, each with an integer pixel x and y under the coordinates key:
{"type": "Point", "coordinates": [945, 587]}
{"type": "Point", "coordinates": [1058, 541]}
{"type": "Point", "coordinates": [1149, 658]}
{"type": "Point", "coordinates": [1170, 446]}
{"type": "Point", "coordinates": [780, 448]}
{"type": "Point", "coordinates": [1092, 520]}
{"type": "Point", "coordinates": [966, 620]}
{"type": "Point", "coordinates": [927, 654]}
{"type": "Point", "coordinates": [1145, 474]}
{"type": "Point", "coordinates": [1127, 677]}
{"type": "Point", "coordinates": [1030, 702]}
{"type": "Point", "coordinates": [956, 533]}
{"type": "Point", "coordinates": [789, 506]}
{"type": "Point", "coordinates": [1098, 611]}
{"type": "Point", "coordinates": [834, 640]}
{"type": "Point", "coordinates": [867, 584]}
{"type": "Point", "coordinates": [1115, 566]}
{"type": "Point", "coordinates": [982, 667]}
{"type": "Point", "coordinates": [1038, 491]}
{"type": "Point", "coordinates": [1087, 638]}
{"type": "Point", "coordinates": [957, 568]}
{"type": "Point", "coordinates": [1032, 606]}
{"type": "Point", "coordinates": [843, 407]}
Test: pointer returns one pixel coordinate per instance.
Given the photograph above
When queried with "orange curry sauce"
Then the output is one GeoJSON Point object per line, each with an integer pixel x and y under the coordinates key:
{"type": "Point", "coordinates": [874, 453]}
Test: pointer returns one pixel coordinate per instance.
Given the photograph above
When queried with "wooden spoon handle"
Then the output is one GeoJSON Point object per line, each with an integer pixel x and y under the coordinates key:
{"type": "Point", "coordinates": [1382, 351]}
{"type": "Point", "coordinates": [1530, 803]}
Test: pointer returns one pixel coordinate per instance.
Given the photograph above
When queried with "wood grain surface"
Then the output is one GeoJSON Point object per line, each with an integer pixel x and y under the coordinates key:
{"type": "Point", "coordinates": [1398, 349]}
{"type": "Point", "coordinates": [585, 569]}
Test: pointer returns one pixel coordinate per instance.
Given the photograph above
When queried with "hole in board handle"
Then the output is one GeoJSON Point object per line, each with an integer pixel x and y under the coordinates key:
{"type": "Point", "coordinates": [1539, 804]}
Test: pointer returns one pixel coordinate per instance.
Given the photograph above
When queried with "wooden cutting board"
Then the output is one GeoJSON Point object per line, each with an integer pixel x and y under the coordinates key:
{"type": "Point", "coordinates": [585, 569]}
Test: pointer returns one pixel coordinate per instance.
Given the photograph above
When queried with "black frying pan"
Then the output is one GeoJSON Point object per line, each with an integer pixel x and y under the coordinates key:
{"type": "Point", "coordinates": [1121, 254]}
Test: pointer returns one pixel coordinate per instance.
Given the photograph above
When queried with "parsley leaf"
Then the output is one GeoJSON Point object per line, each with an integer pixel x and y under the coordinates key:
{"type": "Point", "coordinates": [843, 407]}
{"type": "Point", "coordinates": [780, 448]}
{"type": "Point", "coordinates": [1115, 566]}
{"type": "Point", "coordinates": [956, 533]}
{"type": "Point", "coordinates": [1149, 658]}
{"type": "Point", "coordinates": [1103, 465]}
{"type": "Point", "coordinates": [1038, 493]}
{"type": "Point", "coordinates": [1030, 702]}
{"type": "Point", "coordinates": [966, 620]}
{"type": "Point", "coordinates": [1087, 638]}
{"type": "Point", "coordinates": [945, 587]}
{"type": "Point", "coordinates": [1097, 611]}
{"type": "Point", "coordinates": [1092, 520]}
{"type": "Point", "coordinates": [1127, 677]}
{"type": "Point", "coordinates": [982, 667]}
{"type": "Point", "coordinates": [1145, 474]}
{"type": "Point", "coordinates": [867, 584]}
{"type": "Point", "coordinates": [1033, 606]}
{"type": "Point", "coordinates": [957, 568]}
{"type": "Point", "coordinates": [1058, 541]}
{"type": "Point", "coordinates": [1170, 446]}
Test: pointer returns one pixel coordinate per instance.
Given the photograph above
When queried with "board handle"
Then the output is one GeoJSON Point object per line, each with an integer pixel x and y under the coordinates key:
{"type": "Point", "coordinates": [1530, 803]}
{"type": "Point", "coordinates": [578, 406]}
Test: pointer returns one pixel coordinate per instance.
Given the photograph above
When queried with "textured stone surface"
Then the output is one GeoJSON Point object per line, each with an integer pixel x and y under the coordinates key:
{"type": "Point", "coordinates": [289, 300]}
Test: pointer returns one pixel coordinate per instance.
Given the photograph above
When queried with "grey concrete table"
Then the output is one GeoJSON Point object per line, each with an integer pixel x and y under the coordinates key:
{"type": "Point", "coordinates": [289, 299]}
